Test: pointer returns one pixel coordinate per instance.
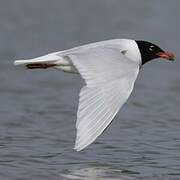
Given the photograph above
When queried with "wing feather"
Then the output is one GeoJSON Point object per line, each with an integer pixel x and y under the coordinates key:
{"type": "Point", "coordinates": [109, 77]}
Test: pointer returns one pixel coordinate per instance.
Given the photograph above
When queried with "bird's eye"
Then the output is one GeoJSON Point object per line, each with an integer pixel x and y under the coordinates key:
{"type": "Point", "coordinates": [151, 48]}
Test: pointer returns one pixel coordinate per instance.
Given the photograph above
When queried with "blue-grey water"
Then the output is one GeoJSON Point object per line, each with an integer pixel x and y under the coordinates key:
{"type": "Point", "coordinates": [38, 108]}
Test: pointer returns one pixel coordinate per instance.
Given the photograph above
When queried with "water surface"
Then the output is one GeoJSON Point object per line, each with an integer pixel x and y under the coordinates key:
{"type": "Point", "coordinates": [38, 108]}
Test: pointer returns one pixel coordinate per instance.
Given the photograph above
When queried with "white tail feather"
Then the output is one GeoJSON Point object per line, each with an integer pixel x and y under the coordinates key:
{"type": "Point", "coordinates": [54, 58]}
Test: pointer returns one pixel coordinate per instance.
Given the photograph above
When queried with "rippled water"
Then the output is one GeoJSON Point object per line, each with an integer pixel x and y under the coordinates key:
{"type": "Point", "coordinates": [38, 108]}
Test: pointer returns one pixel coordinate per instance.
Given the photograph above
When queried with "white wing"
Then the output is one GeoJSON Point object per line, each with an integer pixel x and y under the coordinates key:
{"type": "Point", "coordinates": [109, 77]}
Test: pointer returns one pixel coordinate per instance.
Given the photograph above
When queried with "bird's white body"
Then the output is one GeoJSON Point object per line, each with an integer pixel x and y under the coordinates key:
{"type": "Point", "coordinates": [109, 69]}
{"type": "Point", "coordinates": [66, 65]}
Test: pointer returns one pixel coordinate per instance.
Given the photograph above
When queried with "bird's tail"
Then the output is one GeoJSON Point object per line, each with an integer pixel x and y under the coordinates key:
{"type": "Point", "coordinates": [43, 62]}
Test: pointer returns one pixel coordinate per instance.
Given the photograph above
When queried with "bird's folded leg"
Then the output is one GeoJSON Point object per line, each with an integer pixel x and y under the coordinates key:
{"type": "Point", "coordinates": [40, 66]}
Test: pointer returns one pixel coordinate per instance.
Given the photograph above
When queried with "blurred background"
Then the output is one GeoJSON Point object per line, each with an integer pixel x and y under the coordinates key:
{"type": "Point", "coordinates": [38, 108]}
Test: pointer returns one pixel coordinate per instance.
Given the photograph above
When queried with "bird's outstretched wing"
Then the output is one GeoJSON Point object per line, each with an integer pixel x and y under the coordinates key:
{"type": "Point", "coordinates": [109, 77]}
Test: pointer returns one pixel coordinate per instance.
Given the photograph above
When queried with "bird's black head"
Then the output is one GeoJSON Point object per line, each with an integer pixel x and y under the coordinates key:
{"type": "Point", "coordinates": [151, 51]}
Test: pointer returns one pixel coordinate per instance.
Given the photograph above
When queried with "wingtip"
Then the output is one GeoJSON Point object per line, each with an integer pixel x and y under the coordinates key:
{"type": "Point", "coordinates": [76, 148]}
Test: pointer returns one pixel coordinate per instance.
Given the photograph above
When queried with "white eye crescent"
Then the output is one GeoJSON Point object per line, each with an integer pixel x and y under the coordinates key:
{"type": "Point", "coordinates": [151, 48]}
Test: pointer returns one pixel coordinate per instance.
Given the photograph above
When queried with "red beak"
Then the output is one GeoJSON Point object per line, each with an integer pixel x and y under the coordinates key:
{"type": "Point", "coordinates": [166, 55]}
